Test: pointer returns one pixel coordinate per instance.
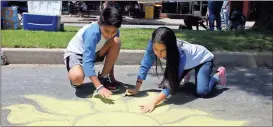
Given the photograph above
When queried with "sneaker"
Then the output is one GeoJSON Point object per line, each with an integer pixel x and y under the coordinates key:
{"type": "Point", "coordinates": [222, 75]}
{"type": "Point", "coordinates": [107, 83]}
{"type": "Point", "coordinates": [186, 78]}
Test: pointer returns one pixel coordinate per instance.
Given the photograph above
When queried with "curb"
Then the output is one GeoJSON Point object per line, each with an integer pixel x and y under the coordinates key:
{"type": "Point", "coordinates": [133, 57]}
{"type": "Point", "coordinates": [125, 23]}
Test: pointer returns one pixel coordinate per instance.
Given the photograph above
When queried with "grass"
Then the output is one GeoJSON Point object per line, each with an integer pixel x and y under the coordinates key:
{"type": "Point", "coordinates": [138, 38]}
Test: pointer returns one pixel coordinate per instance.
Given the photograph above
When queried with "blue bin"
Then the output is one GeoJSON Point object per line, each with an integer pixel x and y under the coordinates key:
{"type": "Point", "coordinates": [41, 22]}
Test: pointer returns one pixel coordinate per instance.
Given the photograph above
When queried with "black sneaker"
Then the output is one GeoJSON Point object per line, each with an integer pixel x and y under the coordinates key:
{"type": "Point", "coordinates": [107, 84]}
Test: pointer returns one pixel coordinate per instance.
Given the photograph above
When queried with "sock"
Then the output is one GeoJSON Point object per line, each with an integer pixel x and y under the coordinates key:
{"type": "Point", "coordinates": [105, 76]}
{"type": "Point", "coordinates": [217, 78]}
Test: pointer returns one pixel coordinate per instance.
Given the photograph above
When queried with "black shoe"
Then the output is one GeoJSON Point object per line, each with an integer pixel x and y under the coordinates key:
{"type": "Point", "coordinates": [107, 84]}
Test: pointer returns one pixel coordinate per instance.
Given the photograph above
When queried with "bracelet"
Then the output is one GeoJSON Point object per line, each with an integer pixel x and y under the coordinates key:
{"type": "Point", "coordinates": [139, 81]}
{"type": "Point", "coordinates": [100, 87]}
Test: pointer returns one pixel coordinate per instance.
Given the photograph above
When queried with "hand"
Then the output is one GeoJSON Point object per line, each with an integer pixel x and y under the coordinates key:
{"type": "Point", "coordinates": [105, 92]}
{"type": "Point", "coordinates": [131, 92]}
{"type": "Point", "coordinates": [147, 108]}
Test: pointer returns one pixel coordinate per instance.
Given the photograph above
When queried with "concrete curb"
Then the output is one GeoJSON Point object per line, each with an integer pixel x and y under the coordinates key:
{"type": "Point", "coordinates": [133, 57]}
{"type": "Point", "coordinates": [125, 23]}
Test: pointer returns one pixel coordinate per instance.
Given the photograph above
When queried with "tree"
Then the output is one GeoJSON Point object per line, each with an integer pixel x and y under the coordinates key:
{"type": "Point", "coordinates": [264, 18]}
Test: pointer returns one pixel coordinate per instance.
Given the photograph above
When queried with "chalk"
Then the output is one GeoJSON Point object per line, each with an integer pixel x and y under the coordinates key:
{"type": "Point", "coordinates": [127, 93]}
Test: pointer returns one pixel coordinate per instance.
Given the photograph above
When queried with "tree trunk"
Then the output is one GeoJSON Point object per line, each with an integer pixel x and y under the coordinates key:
{"type": "Point", "coordinates": [265, 16]}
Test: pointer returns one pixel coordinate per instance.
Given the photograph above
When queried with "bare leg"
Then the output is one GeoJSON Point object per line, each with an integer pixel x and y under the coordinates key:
{"type": "Point", "coordinates": [113, 79]}
{"type": "Point", "coordinates": [112, 49]}
{"type": "Point", "coordinates": [112, 73]}
{"type": "Point", "coordinates": [76, 75]}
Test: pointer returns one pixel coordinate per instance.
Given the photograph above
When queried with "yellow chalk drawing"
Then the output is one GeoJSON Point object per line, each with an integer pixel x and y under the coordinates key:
{"type": "Point", "coordinates": [49, 123]}
{"type": "Point", "coordinates": [108, 105]}
{"type": "Point", "coordinates": [25, 113]}
{"type": "Point", "coordinates": [134, 104]}
{"type": "Point", "coordinates": [176, 114]}
{"type": "Point", "coordinates": [117, 119]}
{"type": "Point", "coordinates": [52, 105]}
{"type": "Point", "coordinates": [97, 111]}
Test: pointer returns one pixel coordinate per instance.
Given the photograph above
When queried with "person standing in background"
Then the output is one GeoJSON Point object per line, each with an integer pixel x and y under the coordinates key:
{"type": "Point", "coordinates": [225, 10]}
{"type": "Point", "coordinates": [84, 8]}
{"type": "Point", "coordinates": [215, 14]}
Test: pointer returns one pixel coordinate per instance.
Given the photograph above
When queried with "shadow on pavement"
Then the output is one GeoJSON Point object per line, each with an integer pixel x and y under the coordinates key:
{"type": "Point", "coordinates": [105, 100]}
{"type": "Point", "coordinates": [86, 90]}
{"type": "Point", "coordinates": [142, 93]}
{"type": "Point", "coordinates": [187, 93]}
{"type": "Point", "coordinates": [255, 81]}
{"type": "Point", "coordinates": [190, 89]}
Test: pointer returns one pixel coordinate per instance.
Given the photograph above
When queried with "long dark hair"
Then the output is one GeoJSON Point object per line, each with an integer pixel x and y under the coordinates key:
{"type": "Point", "coordinates": [167, 37]}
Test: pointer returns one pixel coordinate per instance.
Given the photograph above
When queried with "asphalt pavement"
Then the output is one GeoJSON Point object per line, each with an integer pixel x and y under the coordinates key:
{"type": "Point", "coordinates": [42, 95]}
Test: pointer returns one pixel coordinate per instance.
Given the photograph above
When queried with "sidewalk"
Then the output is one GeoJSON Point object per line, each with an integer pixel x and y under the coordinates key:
{"type": "Point", "coordinates": [133, 21]}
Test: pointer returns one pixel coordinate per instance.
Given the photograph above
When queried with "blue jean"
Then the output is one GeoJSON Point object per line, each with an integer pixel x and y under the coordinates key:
{"type": "Point", "coordinates": [215, 14]}
{"type": "Point", "coordinates": [226, 18]}
{"type": "Point", "coordinates": [204, 79]}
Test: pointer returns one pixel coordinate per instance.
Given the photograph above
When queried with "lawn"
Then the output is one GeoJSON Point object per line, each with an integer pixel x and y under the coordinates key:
{"type": "Point", "coordinates": [138, 38]}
